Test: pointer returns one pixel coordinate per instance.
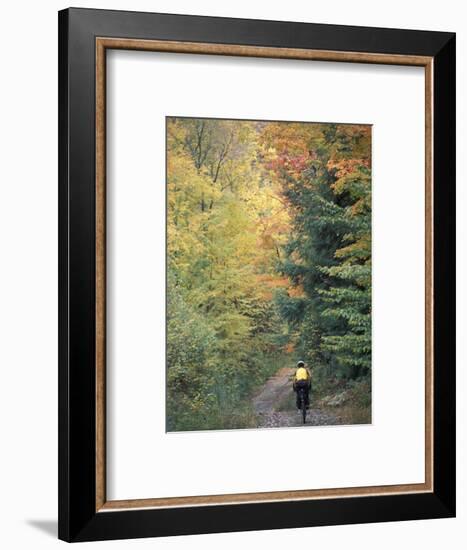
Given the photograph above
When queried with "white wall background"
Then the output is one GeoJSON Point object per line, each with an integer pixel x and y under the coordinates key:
{"type": "Point", "coordinates": [28, 274]}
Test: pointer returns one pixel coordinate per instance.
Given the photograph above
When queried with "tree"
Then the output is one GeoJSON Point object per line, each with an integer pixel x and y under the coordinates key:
{"type": "Point", "coordinates": [226, 224]}
{"type": "Point", "coordinates": [326, 178]}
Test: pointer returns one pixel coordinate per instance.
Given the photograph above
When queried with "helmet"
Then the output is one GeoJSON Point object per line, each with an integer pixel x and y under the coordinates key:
{"type": "Point", "coordinates": [300, 364]}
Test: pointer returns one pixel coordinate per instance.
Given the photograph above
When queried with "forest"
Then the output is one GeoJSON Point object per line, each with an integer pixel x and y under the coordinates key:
{"type": "Point", "coordinates": [268, 263]}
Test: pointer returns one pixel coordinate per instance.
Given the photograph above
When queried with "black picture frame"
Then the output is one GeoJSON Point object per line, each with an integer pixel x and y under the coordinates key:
{"type": "Point", "coordinates": [78, 518]}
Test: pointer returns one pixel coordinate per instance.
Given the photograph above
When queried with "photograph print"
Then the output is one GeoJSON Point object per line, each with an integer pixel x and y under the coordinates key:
{"type": "Point", "coordinates": [268, 274]}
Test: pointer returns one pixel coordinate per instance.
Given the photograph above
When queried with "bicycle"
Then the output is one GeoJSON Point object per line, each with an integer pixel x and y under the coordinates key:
{"type": "Point", "coordinates": [302, 397]}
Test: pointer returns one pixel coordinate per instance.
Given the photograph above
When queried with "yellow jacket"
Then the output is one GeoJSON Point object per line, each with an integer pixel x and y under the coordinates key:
{"type": "Point", "coordinates": [302, 373]}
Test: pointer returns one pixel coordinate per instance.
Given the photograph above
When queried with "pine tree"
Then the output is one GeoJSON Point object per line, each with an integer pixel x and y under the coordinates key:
{"type": "Point", "coordinates": [329, 253]}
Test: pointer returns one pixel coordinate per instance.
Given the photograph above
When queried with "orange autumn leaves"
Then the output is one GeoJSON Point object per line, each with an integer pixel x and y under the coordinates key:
{"type": "Point", "coordinates": [263, 258]}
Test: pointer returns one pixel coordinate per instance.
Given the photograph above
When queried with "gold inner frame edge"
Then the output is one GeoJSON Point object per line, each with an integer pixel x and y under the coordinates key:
{"type": "Point", "coordinates": [102, 44]}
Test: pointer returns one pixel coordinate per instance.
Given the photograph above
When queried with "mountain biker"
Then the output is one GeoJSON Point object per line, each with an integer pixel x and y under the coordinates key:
{"type": "Point", "coordinates": [302, 379]}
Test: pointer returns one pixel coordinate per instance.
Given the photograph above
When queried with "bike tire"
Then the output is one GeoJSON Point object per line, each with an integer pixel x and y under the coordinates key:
{"type": "Point", "coordinates": [303, 403]}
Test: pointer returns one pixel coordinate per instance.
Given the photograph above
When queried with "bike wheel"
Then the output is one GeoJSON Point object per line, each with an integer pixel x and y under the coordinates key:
{"type": "Point", "coordinates": [303, 407]}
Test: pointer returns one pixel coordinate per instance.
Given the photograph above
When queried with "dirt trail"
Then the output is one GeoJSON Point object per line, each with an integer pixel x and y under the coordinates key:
{"type": "Point", "coordinates": [270, 402]}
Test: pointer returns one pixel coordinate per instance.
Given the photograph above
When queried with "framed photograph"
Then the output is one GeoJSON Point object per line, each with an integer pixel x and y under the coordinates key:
{"type": "Point", "coordinates": [257, 274]}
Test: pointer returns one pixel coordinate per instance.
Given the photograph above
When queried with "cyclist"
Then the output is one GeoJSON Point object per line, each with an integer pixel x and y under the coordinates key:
{"type": "Point", "coordinates": [302, 379]}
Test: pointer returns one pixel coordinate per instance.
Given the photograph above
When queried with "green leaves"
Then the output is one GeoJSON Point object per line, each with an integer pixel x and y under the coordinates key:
{"type": "Point", "coordinates": [226, 225]}
{"type": "Point", "coordinates": [329, 253]}
{"type": "Point", "coordinates": [269, 257]}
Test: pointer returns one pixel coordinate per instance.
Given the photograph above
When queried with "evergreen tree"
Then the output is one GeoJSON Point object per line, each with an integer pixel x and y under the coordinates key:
{"type": "Point", "coordinates": [329, 253]}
